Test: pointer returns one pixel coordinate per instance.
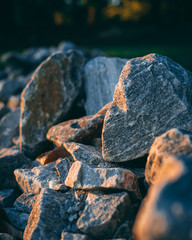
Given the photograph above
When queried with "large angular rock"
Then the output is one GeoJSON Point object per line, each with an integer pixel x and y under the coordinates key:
{"type": "Point", "coordinates": [9, 128]}
{"type": "Point", "coordinates": [78, 130]}
{"type": "Point", "coordinates": [84, 153]}
{"type": "Point", "coordinates": [167, 212]}
{"type": "Point", "coordinates": [48, 97]}
{"type": "Point", "coordinates": [83, 176]}
{"type": "Point", "coordinates": [49, 176]}
{"type": "Point", "coordinates": [103, 214]}
{"type": "Point", "coordinates": [101, 77]}
{"type": "Point", "coordinates": [10, 160]}
{"type": "Point", "coordinates": [50, 212]}
{"type": "Point", "coordinates": [25, 202]}
{"type": "Point", "coordinates": [174, 142]}
{"type": "Point", "coordinates": [152, 96]}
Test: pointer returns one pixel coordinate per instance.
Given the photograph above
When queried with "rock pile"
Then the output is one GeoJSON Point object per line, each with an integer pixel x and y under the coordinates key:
{"type": "Point", "coordinates": [65, 175]}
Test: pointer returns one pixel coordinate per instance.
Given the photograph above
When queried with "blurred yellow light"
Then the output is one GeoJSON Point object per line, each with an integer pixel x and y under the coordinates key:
{"type": "Point", "coordinates": [58, 18]}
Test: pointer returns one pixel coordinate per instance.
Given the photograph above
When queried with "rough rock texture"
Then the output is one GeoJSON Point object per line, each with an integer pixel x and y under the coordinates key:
{"type": "Point", "coordinates": [10, 159]}
{"type": "Point", "coordinates": [9, 128]}
{"type": "Point", "coordinates": [83, 176]}
{"type": "Point", "coordinates": [167, 211]}
{"type": "Point", "coordinates": [7, 197]}
{"type": "Point", "coordinates": [48, 97]}
{"type": "Point", "coordinates": [84, 153]}
{"type": "Point", "coordinates": [174, 142]}
{"type": "Point", "coordinates": [18, 219]}
{"type": "Point", "coordinates": [35, 179]}
{"type": "Point", "coordinates": [78, 130]}
{"type": "Point", "coordinates": [152, 96]}
{"type": "Point", "coordinates": [101, 77]}
{"type": "Point", "coordinates": [73, 236]}
{"type": "Point", "coordinates": [25, 202]}
{"type": "Point", "coordinates": [102, 214]}
{"type": "Point", "coordinates": [51, 215]}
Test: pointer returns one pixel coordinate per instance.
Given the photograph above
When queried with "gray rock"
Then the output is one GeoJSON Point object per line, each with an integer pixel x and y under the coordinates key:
{"type": "Point", "coordinates": [18, 219]}
{"type": "Point", "coordinates": [61, 77]}
{"type": "Point", "coordinates": [124, 232]}
{"type": "Point", "coordinates": [101, 77]}
{"type": "Point", "coordinates": [29, 59]}
{"type": "Point", "coordinates": [73, 236]}
{"type": "Point", "coordinates": [78, 130]}
{"type": "Point", "coordinates": [35, 179]}
{"type": "Point", "coordinates": [66, 46]}
{"type": "Point", "coordinates": [10, 160]}
{"type": "Point", "coordinates": [84, 153]}
{"type": "Point", "coordinates": [174, 142]}
{"type": "Point", "coordinates": [167, 212]}
{"type": "Point", "coordinates": [13, 59]}
{"type": "Point", "coordinates": [152, 96]}
{"type": "Point", "coordinates": [83, 176]}
{"type": "Point", "coordinates": [9, 128]}
{"type": "Point", "coordinates": [25, 202]}
{"type": "Point", "coordinates": [11, 87]}
{"type": "Point", "coordinates": [5, 236]}
{"type": "Point", "coordinates": [3, 75]}
{"type": "Point", "coordinates": [35, 56]}
{"type": "Point", "coordinates": [62, 167]}
{"type": "Point", "coordinates": [3, 109]}
{"type": "Point", "coordinates": [50, 212]}
{"type": "Point", "coordinates": [7, 197]}
{"type": "Point", "coordinates": [103, 214]}
{"type": "Point", "coordinates": [6, 225]}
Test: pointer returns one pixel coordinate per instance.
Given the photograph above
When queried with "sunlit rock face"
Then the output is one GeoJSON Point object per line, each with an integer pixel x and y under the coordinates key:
{"type": "Point", "coordinates": [174, 142]}
{"type": "Point", "coordinates": [152, 96]}
{"type": "Point", "coordinates": [78, 130]}
{"type": "Point", "coordinates": [101, 77]}
{"type": "Point", "coordinates": [166, 212]}
{"type": "Point", "coordinates": [83, 176]}
{"type": "Point", "coordinates": [48, 97]}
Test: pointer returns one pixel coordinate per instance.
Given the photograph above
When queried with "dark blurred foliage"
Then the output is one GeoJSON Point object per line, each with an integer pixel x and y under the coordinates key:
{"type": "Point", "coordinates": [44, 22]}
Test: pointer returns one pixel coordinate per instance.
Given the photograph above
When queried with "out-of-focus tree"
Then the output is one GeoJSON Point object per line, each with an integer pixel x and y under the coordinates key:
{"type": "Point", "coordinates": [127, 9]}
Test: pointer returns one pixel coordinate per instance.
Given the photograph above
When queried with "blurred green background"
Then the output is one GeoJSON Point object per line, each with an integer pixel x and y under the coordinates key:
{"type": "Point", "coordinates": [124, 28]}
